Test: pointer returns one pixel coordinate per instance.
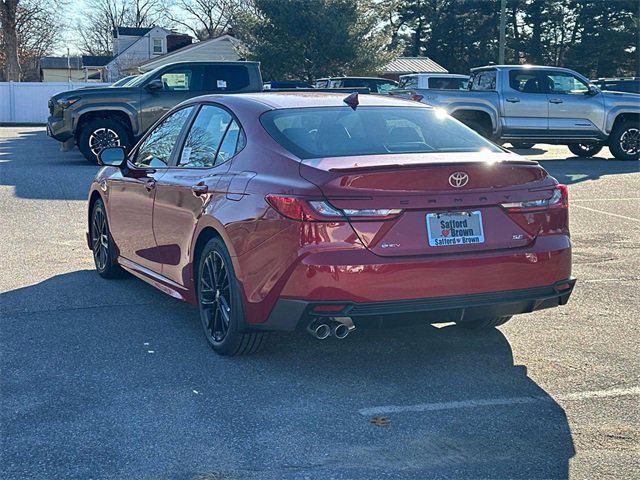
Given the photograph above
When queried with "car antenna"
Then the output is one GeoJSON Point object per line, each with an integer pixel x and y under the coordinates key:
{"type": "Point", "coordinates": [352, 100]}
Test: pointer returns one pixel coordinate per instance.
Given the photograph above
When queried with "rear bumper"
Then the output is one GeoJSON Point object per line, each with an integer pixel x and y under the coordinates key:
{"type": "Point", "coordinates": [291, 314]}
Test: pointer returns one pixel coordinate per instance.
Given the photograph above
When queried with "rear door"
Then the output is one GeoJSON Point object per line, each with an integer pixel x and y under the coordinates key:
{"type": "Point", "coordinates": [524, 103]}
{"type": "Point", "coordinates": [573, 110]}
{"type": "Point", "coordinates": [179, 83]}
{"type": "Point", "coordinates": [199, 177]}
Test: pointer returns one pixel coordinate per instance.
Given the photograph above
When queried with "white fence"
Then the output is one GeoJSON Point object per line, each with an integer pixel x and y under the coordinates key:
{"type": "Point", "coordinates": [26, 102]}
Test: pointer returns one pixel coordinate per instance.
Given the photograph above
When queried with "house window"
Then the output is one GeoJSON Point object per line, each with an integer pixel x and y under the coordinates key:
{"type": "Point", "coordinates": [157, 45]}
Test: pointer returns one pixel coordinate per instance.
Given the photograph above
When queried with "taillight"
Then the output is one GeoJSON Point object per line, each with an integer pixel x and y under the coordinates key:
{"type": "Point", "coordinates": [305, 210]}
{"type": "Point", "coordinates": [417, 97]}
{"type": "Point", "coordinates": [559, 199]}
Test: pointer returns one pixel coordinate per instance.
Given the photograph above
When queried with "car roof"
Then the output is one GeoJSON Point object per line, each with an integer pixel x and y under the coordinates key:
{"type": "Point", "coordinates": [436, 75]}
{"type": "Point", "coordinates": [280, 100]}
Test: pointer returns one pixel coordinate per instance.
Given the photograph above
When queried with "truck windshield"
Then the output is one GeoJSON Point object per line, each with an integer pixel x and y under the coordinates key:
{"type": "Point", "coordinates": [340, 131]}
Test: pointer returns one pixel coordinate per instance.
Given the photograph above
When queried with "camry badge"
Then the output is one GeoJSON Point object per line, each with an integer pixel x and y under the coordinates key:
{"type": "Point", "coordinates": [458, 179]}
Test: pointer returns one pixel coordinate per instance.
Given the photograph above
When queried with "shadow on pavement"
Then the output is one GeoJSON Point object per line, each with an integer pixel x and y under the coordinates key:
{"type": "Point", "coordinates": [108, 387]}
{"type": "Point", "coordinates": [55, 175]}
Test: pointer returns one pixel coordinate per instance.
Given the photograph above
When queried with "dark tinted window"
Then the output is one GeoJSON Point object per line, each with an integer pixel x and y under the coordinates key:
{"type": "Point", "coordinates": [525, 81]}
{"type": "Point", "coordinates": [183, 78]}
{"type": "Point", "coordinates": [226, 78]}
{"type": "Point", "coordinates": [340, 131]}
{"type": "Point", "coordinates": [202, 147]}
{"type": "Point", "coordinates": [443, 83]}
{"type": "Point", "coordinates": [156, 149]}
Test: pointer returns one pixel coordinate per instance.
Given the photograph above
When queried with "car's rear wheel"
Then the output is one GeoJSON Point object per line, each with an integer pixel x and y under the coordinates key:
{"type": "Point", "coordinates": [482, 323]}
{"type": "Point", "coordinates": [522, 145]}
{"type": "Point", "coordinates": [584, 149]}
{"type": "Point", "coordinates": [101, 133]}
{"type": "Point", "coordinates": [104, 255]}
{"type": "Point", "coordinates": [220, 303]}
{"type": "Point", "coordinates": [624, 141]}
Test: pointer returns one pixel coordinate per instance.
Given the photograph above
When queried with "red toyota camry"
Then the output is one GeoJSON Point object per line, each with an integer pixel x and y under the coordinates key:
{"type": "Point", "coordinates": [316, 211]}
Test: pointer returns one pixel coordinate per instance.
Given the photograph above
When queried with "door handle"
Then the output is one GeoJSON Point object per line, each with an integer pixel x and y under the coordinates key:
{"type": "Point", "coordinates": [513, 99]}
{"type": "Point", "coordinates": [199, 189]}
{"type": "Point", "coordinates": [555, 100]}
{"type": "Point", "coordinates": [150, 185]}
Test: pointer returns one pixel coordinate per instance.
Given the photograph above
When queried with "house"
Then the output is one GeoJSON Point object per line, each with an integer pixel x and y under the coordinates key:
{"type": "Point", "coordinates": [406, 65]}
{"type": "Point", "coordinates": [76, 69]}
{"type": "Point", "coordinates": [132, 46]}
{"type": "Point", "coordinates": [224, 47]}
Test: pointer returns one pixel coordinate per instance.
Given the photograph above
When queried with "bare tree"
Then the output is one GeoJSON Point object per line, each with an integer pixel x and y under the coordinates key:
{"type": "Point", "coordinates": [207, 18]}
{"type": "Point", "coordinates": [101, 17]}
{"type": "Point", "coordinates": [9, 23]}
{"type": "Point", "coordinates": [37, 29]}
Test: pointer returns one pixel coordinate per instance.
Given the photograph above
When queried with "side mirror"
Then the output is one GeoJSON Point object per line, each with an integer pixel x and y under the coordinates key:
{"type": "Point", "coordinates": [154, 85]}
{"type": "Point", "coordinates": [112, 156]}
{"type": "Point", "coordinates": [593, 90]}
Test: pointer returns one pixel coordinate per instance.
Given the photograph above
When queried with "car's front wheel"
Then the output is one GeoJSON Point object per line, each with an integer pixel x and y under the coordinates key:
{"type": "Point", "coordinates": [584, 149]}
{"type": "Point", "coordinates": [220, 303]}
{"type": "Point", "coordinates": [624, 141]}
{"type": "Point", "coordinates": [482, 323]}
{"type": "Point", "coordinates": [100, 133]}
{"type": "Point", "coordinates": [104, 255]}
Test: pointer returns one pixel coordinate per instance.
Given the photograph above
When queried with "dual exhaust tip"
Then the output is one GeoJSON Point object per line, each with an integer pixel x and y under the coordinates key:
{"type": "Point", "coordinates": [324, 329]}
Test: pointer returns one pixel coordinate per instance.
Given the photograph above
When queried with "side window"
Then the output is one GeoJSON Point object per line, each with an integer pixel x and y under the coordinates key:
{"type": "Point", "coordinates": [525, 81]}
{"type": "Point", "coordinates": [156, 149]}
{"type": "Point", "coordinates": [183, 78]}
{"type": "Point", "coordinates": [408, 82]}
{"type": "Point", "coordinates": [205, 139]}
{"type": "Point", "coordinates": [484, 81]}
{"type": "Point", "coordinates": [226, 78]}
{"type": "Point", "coordinates": [562, 82]}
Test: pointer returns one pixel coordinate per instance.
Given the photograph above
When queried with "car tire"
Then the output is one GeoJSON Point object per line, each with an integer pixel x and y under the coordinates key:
{"type": "Point", "coordinates": [100, 133]}
{"type": "Point", "coordinates": [478, 127]}
{"type": "Point", "coordinates": [220, 303]}
{"type": "Point", "coordinates": [102, 245]}
{"type": "Point", "coordinates": [522, 145]}
{"type": "Point", "coordinates": [584, 149]}
{"type": "Point", "coordinates": [483, 323]}
{"type": "Point", "coordinates": [624, 141]}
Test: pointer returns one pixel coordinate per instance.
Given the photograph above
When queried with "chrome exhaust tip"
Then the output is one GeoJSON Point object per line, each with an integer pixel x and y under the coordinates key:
{"type": "Point", "coordinates": [340, 331]}
{"type": "Point", "coordinates": [319, 330]}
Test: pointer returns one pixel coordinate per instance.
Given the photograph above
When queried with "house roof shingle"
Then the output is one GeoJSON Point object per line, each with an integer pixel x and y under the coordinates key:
{"type": "Point", "coordinates": [132, 31]}
{"type": "Point", "coordinates": [413, 65]}
{"type": "Point", "coordinates": [96, 60]}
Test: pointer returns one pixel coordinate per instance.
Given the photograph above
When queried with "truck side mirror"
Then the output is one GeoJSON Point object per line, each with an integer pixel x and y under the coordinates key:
{"type": "Point", "coordinates": [154, 85]}
{"type": "Point", "coordinates": [592, 90]}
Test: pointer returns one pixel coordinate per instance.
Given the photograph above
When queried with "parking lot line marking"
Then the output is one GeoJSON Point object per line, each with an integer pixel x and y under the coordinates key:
{"type": "Point", "coordinates": [603, 199]}
{"type": "Point", "coordinates": [608, 213]}
{"type": "Point", "coordinates": [490, 402]}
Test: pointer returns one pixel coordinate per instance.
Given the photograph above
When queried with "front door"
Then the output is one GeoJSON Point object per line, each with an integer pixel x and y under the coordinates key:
{"type": "Point", "coordinates": [133, 192]}
{"type": "Point", "coordinates": [573, 109]}
{"type": "Point", "coordinates": [525, 105]}
{"type": "Point", "coordinates": [200, 179]}
{"type": "Point", "coordinates": [179, 83]}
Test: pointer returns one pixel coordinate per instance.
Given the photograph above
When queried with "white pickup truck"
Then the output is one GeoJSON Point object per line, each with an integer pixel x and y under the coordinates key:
{"type": "Point", "coordinates": [524, 105]}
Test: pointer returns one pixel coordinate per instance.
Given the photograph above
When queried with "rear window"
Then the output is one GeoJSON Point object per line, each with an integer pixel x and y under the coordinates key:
{"type": "Point", "coordinates": [340, 131]}
{"type": "Point", "coordinates": [443, 83]}
{"type": "Point", "coordinates": [226, 78]}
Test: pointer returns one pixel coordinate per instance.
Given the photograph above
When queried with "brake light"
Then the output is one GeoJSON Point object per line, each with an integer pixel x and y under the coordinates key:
{"type": "Point", "coordinates": [304, 210]}
{"type": "Point", "coordinates": [417, 97]}
{"type": "Point", "coordinates": [559, 199]}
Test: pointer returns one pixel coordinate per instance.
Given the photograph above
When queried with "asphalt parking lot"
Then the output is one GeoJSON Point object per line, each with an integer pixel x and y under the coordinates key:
{"type": "Point", "coordinates": [113, 379]}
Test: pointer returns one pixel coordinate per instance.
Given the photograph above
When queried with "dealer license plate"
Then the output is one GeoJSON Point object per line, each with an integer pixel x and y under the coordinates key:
{"type": "Point", "coordinates": [455, 228]}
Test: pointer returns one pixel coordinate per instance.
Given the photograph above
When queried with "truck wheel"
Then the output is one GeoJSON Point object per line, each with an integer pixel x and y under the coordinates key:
{"type": "Point", "coordinates": [522, 145]}
{"type": "Point", "coordinates": [483, 323]}
{"type": "Point", "coordinates": [479, 127]}
{"type": "Point", "coordinates": [584, 149]}
{"type": "Point", "coordinates": [100, 133]}
{"type": "Point", "coordinates": [624, 141]}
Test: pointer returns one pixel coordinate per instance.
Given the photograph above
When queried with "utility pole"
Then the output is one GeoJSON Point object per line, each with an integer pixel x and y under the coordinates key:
{"type": "Point", "coordinates": [503, 8]}
{"type": "Point", "coordinates": [68, 66]}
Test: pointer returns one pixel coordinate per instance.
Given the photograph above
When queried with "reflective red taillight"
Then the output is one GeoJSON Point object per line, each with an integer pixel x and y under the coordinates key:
{"type": "Point", "coordinates": [306, 210]}
{"type": "Point", "coordinates": [559, 199]}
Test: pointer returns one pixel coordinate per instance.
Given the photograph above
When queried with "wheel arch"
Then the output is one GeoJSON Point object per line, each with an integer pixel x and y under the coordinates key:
{"type": "Point", "coordinates": [120, 114]}
{"type": "Point", "coordinates": [483, 115]}
{"type": "Point", "coordinates": [618, 116]}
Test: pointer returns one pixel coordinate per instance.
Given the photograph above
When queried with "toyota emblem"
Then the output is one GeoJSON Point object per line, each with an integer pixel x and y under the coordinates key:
{"type": "Point", "coordinates": [458, 179]}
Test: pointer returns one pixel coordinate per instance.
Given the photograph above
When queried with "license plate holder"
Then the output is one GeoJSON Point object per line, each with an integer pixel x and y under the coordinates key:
{"type": "Point", "coordinates": [455, 228]}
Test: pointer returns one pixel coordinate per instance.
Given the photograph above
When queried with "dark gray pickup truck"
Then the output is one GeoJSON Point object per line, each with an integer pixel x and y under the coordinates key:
{"type": "Point", "coordinates": [94, 118]}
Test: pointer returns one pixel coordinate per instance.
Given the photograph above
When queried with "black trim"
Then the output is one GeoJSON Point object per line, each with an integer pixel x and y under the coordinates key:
{"type": "Point", "coordinates": [290, 314]}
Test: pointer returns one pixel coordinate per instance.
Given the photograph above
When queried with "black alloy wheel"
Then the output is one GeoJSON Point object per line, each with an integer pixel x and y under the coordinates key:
{"type": "Point", "coordinates": [102, 245]}
{"type": "Point", "coordinates": [585, 149]}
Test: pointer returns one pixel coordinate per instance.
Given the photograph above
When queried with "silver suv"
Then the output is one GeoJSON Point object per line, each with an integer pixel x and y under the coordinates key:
{"type": "Point", "coordinates": [524, 105]}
